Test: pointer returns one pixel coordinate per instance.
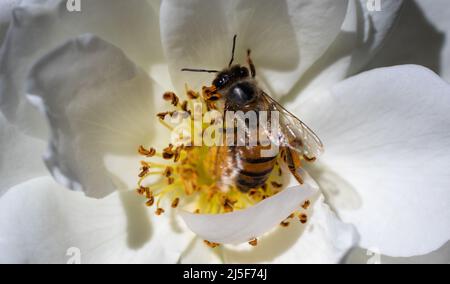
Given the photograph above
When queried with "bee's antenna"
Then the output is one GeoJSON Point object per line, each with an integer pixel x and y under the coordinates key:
{"type": "Point", "coordinates": [199, 70]}
{"type": "Point", "coordinates": [232, 51]}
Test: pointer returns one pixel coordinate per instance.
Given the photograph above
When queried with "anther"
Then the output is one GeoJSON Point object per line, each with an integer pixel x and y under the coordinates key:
{"type": "Point", "coordinates": [144, 171]}
{"type": "Point", "coordinates": [184, 106]}
{"type": "Point", "coordinates": [146, 152]}
{"type": "Point", "coordinates": [306, 204]}
{"type": "Point", "coordinates": [284, 224]}
{"type": "Point", "coordinates": [148, 193]}
{"type": "Point", "coordinates": [308, 159]}
{"type": "Point", "coordinates": [175, 202]}
{"type": "Point", "coordinates": [168, 152]}
{"type": "Point", "coordinates": [211, 244]}
{"type": "Point", "coordinates": [141, 190]}
{"type": "Point", "coordinates": [253, 242]}
{"type": "Point", "coordinates": [276, 184]}
{"type": "Point", "coordinates": [162, 115]}
{"type": "Point", "coordinates": [192, 95]}
{"type": "Point", "coordinates": [228, 206]}
{"type": "Point", "coordinates": [171, 97]}
{"type": "Point", "coordinates": [159, 211]}
{"type": "Point", "coordinates": [150, 201]}
{"type": "Point", "coordinates": [177, 154]}
{"type": "Point", "coordinates": [303, 218]}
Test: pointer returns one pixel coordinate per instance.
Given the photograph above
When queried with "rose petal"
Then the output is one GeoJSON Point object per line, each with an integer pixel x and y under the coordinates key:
{"type": "Point", "coordinates": [38, 27]}
{"type": "Point", "coordinates": [420, 37]}
{"type": "Point", "coordinates": [20, 156]}
{"type": "Point", "coordinates": [100, 108]}
{"type": "Point", "coordinates": [286, 37]}
{"type": "Point", "coordinates": [362, 34]}
{"type": "Point", "coordinates": [243, 226]}
{"type": "Point", "coordinates": [387, 157]}
{"type": "Point", "coordinates": [325, 239]}
{"type": "Point", "coordinates": [40, 222]}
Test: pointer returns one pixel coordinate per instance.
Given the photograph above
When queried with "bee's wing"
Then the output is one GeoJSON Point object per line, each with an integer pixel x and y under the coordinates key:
{"type": "Point", "coordinates": [293, 133]}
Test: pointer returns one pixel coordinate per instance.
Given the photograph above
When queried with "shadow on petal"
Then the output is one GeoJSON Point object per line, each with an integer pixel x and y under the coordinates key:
{"type": "Point", "coordinates": [413, 41]}
{"type": "Point", "coordinates": [139, 227]}
{"type": "Point", "coordinates": [337, 191]}
{"type": "Point", "coordinates": [270, 246]}
{"type": "Point", "coordinates": [99, 106]}
{"type": "Point", "coordinates": [343, 46]}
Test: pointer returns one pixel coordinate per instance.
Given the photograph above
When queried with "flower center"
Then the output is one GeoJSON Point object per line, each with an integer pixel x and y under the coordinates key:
{"type": "Point", "coordinates": [184, 173]}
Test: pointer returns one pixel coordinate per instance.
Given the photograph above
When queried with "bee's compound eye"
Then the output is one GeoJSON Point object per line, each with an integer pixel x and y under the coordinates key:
{"type": "Point", "coordinates": [242, 93]}
{"type": "Point", "coordinates": [221, 80]}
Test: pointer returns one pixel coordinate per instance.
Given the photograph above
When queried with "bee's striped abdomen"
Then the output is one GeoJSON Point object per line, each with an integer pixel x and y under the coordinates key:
{"type": "Point", "coordinates": [253, 170]}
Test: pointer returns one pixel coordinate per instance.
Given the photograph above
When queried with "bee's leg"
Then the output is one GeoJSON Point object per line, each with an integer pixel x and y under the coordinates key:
{"type": "Point", "coordinates": [250, 63]}
{"type": "Point", "coordinates": [292, 160]}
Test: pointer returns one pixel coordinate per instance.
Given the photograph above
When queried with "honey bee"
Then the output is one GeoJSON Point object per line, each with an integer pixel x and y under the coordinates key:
{"type": "Point", "coordinates": [243, 166]}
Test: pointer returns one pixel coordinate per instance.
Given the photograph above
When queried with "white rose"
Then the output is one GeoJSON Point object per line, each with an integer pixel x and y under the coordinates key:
{"type": "Point", "coordinates": [90, 83]}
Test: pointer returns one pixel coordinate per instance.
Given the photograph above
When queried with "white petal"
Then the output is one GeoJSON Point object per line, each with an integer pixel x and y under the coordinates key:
{"type": "Point", "coordinates": [100, 108]}
{"type": "Point", "coordinates": [325, 239]}
{"type": "Point", "coordinates": [286, 37]}
{"type": "Point", "coordinates": [245, 225]}
{"type": "Point", "coordinates": [41, 222]}
{"type": "Point", "coordinates": [20, 156]}
{"type": "Point", "coordinates": [362, 34]}
{"type": "Point", "coordinates": [39, 26]}
{"type": "Point", "coordinates": [420, 37]}
{"type": "Point", "coordinates": [387, 155]}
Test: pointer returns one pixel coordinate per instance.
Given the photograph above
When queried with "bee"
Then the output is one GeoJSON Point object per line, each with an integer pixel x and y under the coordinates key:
{"type": "Point", "coordinates": [243, 166]}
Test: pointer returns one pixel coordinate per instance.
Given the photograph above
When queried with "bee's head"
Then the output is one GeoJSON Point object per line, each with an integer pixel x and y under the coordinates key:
{"type": "Point", "coordinates": [229, 76]}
